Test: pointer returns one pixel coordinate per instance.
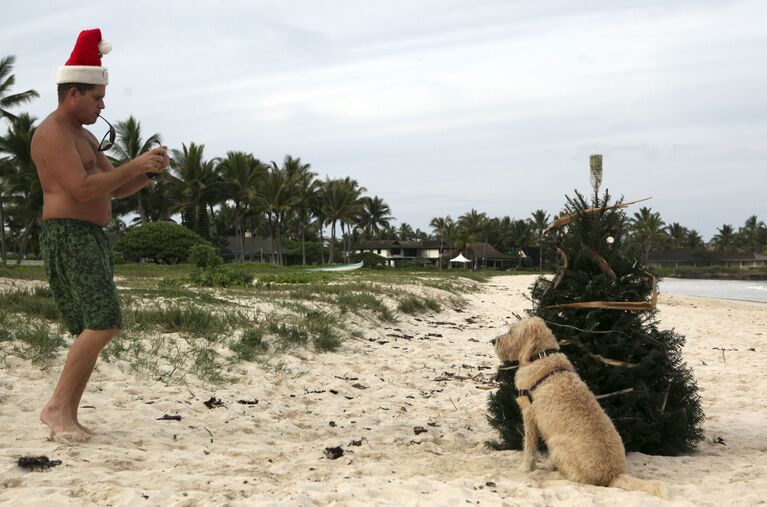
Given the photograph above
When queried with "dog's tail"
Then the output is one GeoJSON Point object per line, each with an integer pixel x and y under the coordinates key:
{"type": "Point", "coordinates": [629, 483]}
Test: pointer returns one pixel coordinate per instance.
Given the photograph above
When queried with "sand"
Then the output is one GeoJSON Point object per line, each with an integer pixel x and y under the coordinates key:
{"type": "Point", "coordinates": [378, 391]}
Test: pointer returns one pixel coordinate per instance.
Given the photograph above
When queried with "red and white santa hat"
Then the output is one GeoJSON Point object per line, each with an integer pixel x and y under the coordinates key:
{"type": "Point", "coordinates": [84, 64]}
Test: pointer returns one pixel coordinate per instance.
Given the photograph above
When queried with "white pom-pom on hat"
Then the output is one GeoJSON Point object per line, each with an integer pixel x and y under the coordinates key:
{"type": "Point", "coordinates": [105, 47]}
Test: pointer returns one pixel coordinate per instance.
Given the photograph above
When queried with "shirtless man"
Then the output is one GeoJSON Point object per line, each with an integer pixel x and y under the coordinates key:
{"type": "Point", "coordinates": [78, 185]}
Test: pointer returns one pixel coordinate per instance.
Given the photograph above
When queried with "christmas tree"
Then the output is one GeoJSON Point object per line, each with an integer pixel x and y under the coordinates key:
{"type": "Point", "coordinates": [601, 306]}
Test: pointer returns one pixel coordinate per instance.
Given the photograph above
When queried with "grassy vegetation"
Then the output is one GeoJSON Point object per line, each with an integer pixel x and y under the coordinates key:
{"type": "Point", "coordinates": [37, 302]}
{"type": "Point", "coordinates": [21, 272]}
{"type": "Point", "coordinates": [29, 338]}
{"type": "Point", "coordinates": [177, 320]}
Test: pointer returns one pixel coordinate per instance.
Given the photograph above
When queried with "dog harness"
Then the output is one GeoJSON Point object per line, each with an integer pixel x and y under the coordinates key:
{"type": "Point", "coordinates": [528, 393]}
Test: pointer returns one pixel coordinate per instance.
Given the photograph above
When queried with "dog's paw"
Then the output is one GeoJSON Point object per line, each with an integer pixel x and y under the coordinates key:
{"type": "Point", "coordinates": [546, 464]}
{"type": "Point", "coordinates": [527, 466]}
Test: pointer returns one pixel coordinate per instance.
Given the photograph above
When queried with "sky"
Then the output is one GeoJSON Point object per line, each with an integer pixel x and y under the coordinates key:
{"type": "Point", "coordinates": [442, 106]}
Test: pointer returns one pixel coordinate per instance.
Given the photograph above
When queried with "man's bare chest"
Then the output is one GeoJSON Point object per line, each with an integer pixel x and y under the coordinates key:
{"type": "Point", "coordinates": [87, 151]}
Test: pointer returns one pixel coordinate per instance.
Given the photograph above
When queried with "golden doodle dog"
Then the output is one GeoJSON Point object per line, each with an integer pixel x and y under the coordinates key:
{"type": "Point", "coordinates": [560, 408]}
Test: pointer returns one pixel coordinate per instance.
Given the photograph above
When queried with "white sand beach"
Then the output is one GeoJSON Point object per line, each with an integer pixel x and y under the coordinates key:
{"type": "Point", "coordinates": [379, 391]}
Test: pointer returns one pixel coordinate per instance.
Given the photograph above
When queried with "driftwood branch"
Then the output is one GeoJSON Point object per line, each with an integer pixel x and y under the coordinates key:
{"type": "Point", "coordinates": [564, 220]}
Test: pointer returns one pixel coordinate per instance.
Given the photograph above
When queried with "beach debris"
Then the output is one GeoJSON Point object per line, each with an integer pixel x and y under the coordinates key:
{"type": "Point", "coordinates": [37, 462]}
{"type": "Point", "coordinates": [419, 429]}
{"type": "Point", "coordinates": [357, 443]}
{"type": "Point", "coordinates": [333, 391]}
{"type": "Point", "coordinates": [213, 402]}
{"type": "Point", "coordinates": [248, 402]}
{"type": "Point", "coordinates": [167, 417]}
{"type": "Point", "coordinates": [720, 441]}
{"type": "Point", "coordinates": [332, 424]}
{"type": "Point", "coordinates": [724, 359]}
{"type": "Point", "coordinates": [351, 379]}
{"type": "Point", "coordinates": [333, 452]}
{"type": "Point", "coordinates": [359, 386]}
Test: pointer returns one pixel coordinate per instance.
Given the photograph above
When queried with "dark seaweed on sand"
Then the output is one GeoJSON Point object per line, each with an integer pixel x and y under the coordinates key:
{"type": "Point", "coordinates": [37, 462]}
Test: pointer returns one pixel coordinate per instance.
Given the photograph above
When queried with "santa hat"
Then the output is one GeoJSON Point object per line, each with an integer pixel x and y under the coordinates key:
{"type": "Point", "coordinates": [84, 64]}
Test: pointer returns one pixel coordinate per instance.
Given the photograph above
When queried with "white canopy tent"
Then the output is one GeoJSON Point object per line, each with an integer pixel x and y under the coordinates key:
{"type": "Point", "coordinates": [460, 258]}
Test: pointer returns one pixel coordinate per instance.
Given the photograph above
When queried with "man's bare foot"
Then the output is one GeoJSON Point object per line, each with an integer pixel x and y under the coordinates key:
{"type": "Point", "coordinates": [85, 428]}
{"type": "Point", "coordinates": [62, 425]}
{"type": "Point", "coordinates": [81, 426]}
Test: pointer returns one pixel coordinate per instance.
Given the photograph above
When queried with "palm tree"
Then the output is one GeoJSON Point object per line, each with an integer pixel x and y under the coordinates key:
{"type": "Point", "coordinates": [471, 226]}
{"type": "Point", "coordinates": [277, 197]}
{"type": "Point", "coordinates": [443, 227]}
{"type": "Point", "coordinates": [375, 217]}
{"type": "Point", "coordinates": [195, 185]}
{"type": "Point", "coordinates": [724, 238]}
{"type": "Point", "coordinates": [304, 192]}
{"type": "Point", "coordinates": [405, 232]}
{"type": "Point", "coordinates": [521, 233]}
{"type": "Point", "coordinates": [7, 80]}
{"type": "Point", "coordinates": [677, 233]}
{"type": "Point", "coordinates": [128, 146]}
{"type": "Point", "coordinates": [341, 202]}
{"type": "Point", "coordinates": [753, 234]}
{"type": "Point", "coordinates": [25, 195]}
{"type": "Point", "coordinates": [539, 220]}
{"type": "Point", "coordinates": [694, 240]}
{"type": "Point", "coordinates": [648, 228]}
{"type": "Point", "coordinates": [240, 176]}
{"type": "Point", "coordinates": [6, 169]}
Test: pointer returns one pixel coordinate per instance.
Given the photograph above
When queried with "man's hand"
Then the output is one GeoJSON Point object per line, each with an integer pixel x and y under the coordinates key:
{"type": "Point", "coordinates": [153, 161]}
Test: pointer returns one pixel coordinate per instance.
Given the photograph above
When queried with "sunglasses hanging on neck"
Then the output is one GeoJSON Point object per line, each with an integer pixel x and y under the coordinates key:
{"type": "Point", "coordinates": [109, 138]}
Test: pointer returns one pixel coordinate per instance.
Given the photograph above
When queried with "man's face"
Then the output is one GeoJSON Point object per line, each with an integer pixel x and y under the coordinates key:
{"type": "Point", "coordinates": [90, 104]}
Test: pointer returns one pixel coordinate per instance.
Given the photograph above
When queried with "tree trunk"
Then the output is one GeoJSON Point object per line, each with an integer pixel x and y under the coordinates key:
{"type": "Point", "coordinates": [2, 232]}
{"type": "Point", "coordinates": [238, 231]}
{"type": "Point", "coordinates": [24, 238]}
{"type": "Point", "coordinates": [141, 214]}
{"type": "Point", "coordinates": [322, 245]}
{"type": "Point", "coordinates": [303, 244]}
{"type": "Point", "coordinates": [332, 241]}
{"type": "Point", "coordinates": [439, 253]}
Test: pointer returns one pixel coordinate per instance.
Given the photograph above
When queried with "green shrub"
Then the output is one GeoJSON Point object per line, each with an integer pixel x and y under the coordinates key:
{"type": "Point", "coordinates": [162, 242]}
{"type": "Point", "coordinates": [220, 277]}
{"type": "Point", "coordinates": [205, 256]}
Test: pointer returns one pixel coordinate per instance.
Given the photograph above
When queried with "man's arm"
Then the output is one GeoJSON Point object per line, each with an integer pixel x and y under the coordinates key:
{"type": "Point", "coordinates": [59, 153]}
{"type": "Point", "coordinates": [137, 183]}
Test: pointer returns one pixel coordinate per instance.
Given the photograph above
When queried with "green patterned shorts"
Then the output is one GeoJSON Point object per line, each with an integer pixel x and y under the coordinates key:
{"type": "Point", "coordinates": [80, 268]}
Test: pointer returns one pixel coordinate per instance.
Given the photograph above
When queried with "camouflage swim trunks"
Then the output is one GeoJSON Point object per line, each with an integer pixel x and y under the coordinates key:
{"type": "Point", "coordinates": [80, 268]}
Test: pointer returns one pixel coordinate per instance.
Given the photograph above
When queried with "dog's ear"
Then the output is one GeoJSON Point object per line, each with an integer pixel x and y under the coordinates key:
{"type": "Point", "coordinates": [530, 337]}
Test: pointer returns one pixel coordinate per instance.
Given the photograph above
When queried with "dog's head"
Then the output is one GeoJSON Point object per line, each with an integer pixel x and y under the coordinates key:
{"type": "Point", "coordinates": [523, 339]}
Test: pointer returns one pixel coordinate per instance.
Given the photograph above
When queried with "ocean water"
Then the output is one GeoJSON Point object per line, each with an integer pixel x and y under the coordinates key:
{"type": "Point", "coordinates": [742, 290]}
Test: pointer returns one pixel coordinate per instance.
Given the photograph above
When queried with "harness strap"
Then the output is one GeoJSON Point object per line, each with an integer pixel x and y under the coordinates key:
{"type": "Point", "coordinates": [528, 393]}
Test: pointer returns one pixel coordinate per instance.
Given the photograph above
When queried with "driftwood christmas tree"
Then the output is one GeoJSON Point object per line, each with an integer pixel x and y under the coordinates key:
{"type": "Point", "coordinates": [601, 306]}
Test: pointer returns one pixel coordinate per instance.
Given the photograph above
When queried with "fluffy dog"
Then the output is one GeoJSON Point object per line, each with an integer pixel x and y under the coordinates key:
{"type": "Point", "coordinates": [560, 408]}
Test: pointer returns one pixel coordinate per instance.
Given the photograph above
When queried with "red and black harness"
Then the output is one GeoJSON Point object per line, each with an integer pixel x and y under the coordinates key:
{"type": "Point", "coordinates": [528, 393]}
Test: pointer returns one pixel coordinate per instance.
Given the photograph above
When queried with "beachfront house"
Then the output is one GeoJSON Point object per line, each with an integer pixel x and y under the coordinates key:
{"type": "Point", "coordinates": [431, 251]}
{"type": "Point", "coordinates": [701, 258]}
